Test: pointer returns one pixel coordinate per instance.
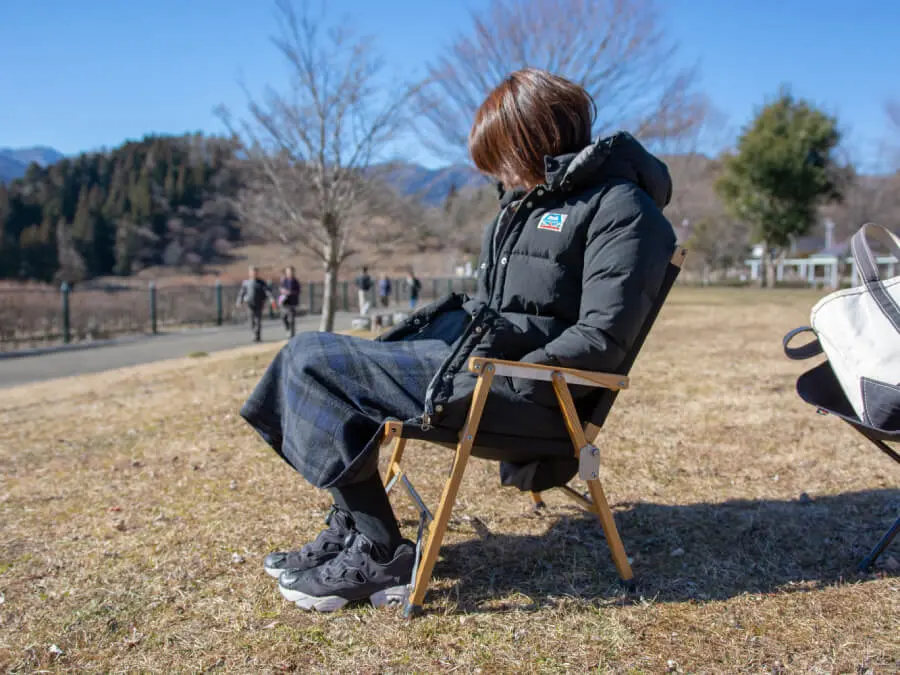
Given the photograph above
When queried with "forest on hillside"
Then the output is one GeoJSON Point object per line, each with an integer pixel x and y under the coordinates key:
{"type": "Point", "coordinates": [157, 201]}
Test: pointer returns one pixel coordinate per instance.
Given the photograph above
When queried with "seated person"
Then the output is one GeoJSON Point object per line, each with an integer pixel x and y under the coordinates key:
{"type": "Point", "coordinates": [569, 270]}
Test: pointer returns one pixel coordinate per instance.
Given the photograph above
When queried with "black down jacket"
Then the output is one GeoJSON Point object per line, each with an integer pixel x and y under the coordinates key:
{"type": "Point", "coordinates": [568, 273]}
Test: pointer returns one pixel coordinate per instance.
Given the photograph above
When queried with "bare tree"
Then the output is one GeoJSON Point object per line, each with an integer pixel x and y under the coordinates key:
{"type": "Point", "coordinates": [307, 152]}
{"type": "Point", "coordinates": [616, 49]}
{"type": "Point", "coordinates": [716, 245]}
{"type": "Point", "coordinates": [893, 112]}
{"type": "Point", "coordinates": [72, 267]}
{"type": "Point", "coordinates": [867, 198]}
{"type": "Point", "coordinates": [892, 109]}
{"type": "Point", "coordinates": [466, 215]}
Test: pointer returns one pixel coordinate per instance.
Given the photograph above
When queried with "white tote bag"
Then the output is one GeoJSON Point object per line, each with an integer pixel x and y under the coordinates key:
{"type": "Point", "coordinates": [859, 331]}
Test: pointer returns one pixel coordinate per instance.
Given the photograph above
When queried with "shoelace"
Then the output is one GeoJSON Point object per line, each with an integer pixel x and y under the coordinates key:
{"type": "Point", "coordinates": [354, 542]}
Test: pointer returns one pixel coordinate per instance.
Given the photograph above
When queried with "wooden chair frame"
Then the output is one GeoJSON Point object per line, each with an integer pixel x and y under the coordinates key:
{"type": "Point", "coordinates": [583, 437]}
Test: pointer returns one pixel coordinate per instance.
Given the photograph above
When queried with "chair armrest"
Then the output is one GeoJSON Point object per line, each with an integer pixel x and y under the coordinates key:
{"type": "Point", "coordinates": [536, 371]}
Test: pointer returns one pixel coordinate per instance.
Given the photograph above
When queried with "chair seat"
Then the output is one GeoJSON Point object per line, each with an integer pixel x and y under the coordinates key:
{"type": "Point", "coordinates": [494, 447]}
{"type": "Point", "coordinates": [820, 387]}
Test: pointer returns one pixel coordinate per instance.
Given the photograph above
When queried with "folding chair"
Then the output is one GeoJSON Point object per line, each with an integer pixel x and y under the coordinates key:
{"type": "Point", "coordinates": [820, 388]}
{"type": "Point", "coordinates": [468, 441]}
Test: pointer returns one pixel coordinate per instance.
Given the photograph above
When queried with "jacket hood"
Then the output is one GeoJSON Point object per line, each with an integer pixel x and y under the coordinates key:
{"type": "Point", "coordinates": [618, 156]}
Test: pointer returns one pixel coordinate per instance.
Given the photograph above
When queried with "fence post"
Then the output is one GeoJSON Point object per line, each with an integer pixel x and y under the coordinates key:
{"type": "Point", "coordinates": [449, 284]}
{"type": "Point", "coordinates": [434, 288]}
{"type": "Point", "coordinates": [66, 325]}
{"type": "Point", "coordinates": [153, 308]}
{"type": "Point", "coordinates": [312, 297]}
{"type": "Point", "coordinates": [345, 291]}
{"type": "Point", "coordinates": [218, 302]}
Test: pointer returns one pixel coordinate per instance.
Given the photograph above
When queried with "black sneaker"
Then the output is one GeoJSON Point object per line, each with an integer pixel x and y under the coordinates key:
{"type": "Point", "coordinates": [354, 574]}
{"type": "Point", "coordinates": [326, 546]}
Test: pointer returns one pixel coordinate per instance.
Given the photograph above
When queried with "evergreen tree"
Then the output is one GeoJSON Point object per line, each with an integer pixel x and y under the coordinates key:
{"type": "Point", "coordinates": [115, 207]}
{"type": "Point", "coordinates": [784, 169]}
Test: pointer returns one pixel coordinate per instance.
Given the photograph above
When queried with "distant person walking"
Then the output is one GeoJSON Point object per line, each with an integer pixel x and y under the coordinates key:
{"type": "Point", "coordinates": [254, 293]}
{"type": "Point", "coordinates": [384, 290]}
{"type": "Point", "coordinates": [415, 287]}
{"type": "Point", "coordinates": [364, 288]}
{"type": "Point", "coordinates": [289, 299]}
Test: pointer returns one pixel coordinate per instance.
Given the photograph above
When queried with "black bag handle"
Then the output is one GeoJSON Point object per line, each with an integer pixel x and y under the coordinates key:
{"type": "Point", "coordinates": [807, 351]}
{"type": "Point", "coordinates": [868, 267]}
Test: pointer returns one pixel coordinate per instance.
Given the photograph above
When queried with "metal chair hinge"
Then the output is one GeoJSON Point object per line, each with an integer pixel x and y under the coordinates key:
{"type": "Point", "coordinates": [589, 462]}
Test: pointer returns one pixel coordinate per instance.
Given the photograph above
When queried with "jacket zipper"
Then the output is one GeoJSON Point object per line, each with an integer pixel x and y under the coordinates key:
{"type": "Point", "coordinates": [428, 412]}
{"type": "Point", "coordinates": [506, 236]}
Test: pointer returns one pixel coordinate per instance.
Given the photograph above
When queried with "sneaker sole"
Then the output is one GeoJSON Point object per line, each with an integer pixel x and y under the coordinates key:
{"type": "Point", "coordinates": [395, 596]}
{"type": "Point", "coordinates": [274, 572]}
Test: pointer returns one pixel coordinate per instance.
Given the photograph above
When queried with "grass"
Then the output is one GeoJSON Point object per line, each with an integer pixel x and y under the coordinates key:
{"type": "Point", "coordinates": [136, 508]}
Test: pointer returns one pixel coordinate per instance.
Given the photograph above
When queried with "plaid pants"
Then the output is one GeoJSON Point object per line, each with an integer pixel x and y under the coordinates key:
{"type": "Point", "coordinates": [322, 401]}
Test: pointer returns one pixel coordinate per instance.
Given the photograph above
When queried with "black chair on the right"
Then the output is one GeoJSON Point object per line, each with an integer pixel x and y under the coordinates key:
{"type": "Point", "coordinates": [820, 388]}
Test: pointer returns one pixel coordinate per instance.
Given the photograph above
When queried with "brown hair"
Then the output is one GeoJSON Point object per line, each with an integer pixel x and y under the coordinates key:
{"type": "Point", "coordinates": [531, 114]}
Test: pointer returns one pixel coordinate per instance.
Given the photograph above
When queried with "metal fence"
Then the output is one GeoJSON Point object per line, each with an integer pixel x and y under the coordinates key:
{"type": "Point", "coordinates": [34, 317]}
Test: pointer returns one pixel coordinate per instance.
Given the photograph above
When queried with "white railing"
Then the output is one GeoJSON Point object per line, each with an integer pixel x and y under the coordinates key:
{"type": "Point", "coordinates": [821, 271]}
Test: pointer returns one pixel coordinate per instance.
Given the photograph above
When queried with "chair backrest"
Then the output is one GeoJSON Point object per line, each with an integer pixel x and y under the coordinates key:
{"type": "Point", "coordinates": [598, 405]}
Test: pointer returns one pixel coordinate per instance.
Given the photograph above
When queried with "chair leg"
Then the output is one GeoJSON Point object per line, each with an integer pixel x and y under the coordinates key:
{"type": "Point", "coordinates": [608, 523]}
{"type": "Point", "coordinates": [599, 504]}
{"type": "Point", "coordinates": [394, 466]}
{"type": "Point", "coordinates": [448, 498]}
{"type": "Point", "coordinates": [436, 532]}
{"type": "Point", "coordinates": [394, 430]}
{"type": "Point", "coordinates": [578, 498]}
{"type": "Point", "coordinates": [880, 546]}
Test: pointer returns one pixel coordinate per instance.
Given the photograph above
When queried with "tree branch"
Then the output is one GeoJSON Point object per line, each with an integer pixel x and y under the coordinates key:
{"type": "Point", "coordinates": [616, 49]}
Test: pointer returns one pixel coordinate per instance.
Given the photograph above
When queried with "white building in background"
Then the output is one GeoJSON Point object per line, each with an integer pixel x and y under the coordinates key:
{"type": "Point", "coordinates": [813, 245]}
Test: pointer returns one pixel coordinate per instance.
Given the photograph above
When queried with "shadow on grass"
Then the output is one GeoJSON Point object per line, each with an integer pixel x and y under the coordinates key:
{"type": "Point", "coordinates": [682, 552]}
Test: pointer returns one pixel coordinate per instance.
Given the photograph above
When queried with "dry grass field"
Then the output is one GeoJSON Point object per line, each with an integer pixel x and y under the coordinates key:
{"type": "Point", "coordinates": [136, 507]}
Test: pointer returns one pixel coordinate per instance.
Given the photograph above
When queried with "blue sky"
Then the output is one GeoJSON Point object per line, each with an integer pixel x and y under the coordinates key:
{"type": "Point", "coordinates": [82, 75]}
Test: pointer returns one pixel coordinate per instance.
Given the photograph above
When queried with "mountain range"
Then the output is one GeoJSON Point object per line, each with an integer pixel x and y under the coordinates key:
{"type": "Point", "coordinates": [431, 186]}
{"type": "Point", "coordinates": [15, 161]}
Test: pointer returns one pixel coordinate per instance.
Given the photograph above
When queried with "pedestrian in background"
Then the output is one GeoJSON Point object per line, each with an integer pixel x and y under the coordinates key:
{"type": "Point", "coordinates": [254, 293]}
{"type": "Point", "coordinates": [289, 299]}
{"type": "Point", "coordinates": [363, 288]}
{"type": "Point", "coordinates": [384, 290]}
{"type": "Point", "coordinates": [415, 287]}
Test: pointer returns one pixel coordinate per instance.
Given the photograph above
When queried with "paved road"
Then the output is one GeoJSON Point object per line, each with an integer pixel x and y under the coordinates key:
{"type": "Point", "coordinates": [77, 360]}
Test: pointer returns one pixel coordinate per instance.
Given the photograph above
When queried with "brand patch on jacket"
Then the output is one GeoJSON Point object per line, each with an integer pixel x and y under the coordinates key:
{"type": "Point", "coordinates": [552, 221]}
